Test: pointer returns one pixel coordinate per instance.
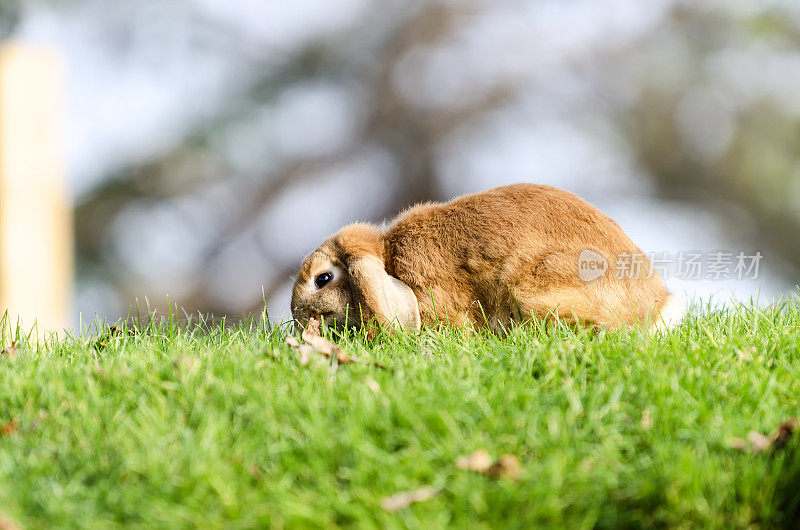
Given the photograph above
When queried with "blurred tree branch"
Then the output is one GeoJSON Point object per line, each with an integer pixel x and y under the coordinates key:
{"type": "Point", "coordinates": [411, 135]}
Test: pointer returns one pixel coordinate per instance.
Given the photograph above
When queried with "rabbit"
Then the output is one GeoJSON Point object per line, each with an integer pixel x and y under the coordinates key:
{"type": "Point", "coordinates": [488, 259]}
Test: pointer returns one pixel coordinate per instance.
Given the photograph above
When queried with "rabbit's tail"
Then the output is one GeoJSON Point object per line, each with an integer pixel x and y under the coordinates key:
{"type": "Point", "coordinates": [669, 313]}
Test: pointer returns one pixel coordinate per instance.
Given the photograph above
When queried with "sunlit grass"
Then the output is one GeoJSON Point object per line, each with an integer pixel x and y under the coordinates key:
{"type": "Point", "coordinates": [167, 425]}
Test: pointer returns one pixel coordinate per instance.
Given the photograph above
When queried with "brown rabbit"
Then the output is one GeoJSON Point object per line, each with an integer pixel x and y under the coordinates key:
{"type": "Point", "coordinates": [487, 259]}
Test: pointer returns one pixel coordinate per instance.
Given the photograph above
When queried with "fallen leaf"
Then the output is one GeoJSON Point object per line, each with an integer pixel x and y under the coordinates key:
{"type": "Point", "coordinates": [313, 336]}
{"type": "Point", "coordinates": [507, 466]}
{"type": "Point", "coordinates": [317, 343]}
{"type": "Point", "coordinates": [9, 428]}
{"type": "Point", "coordinates": [11, 351]}
{"type": "Point", "coordinates": [480, 461]}
{"type": "Point", "coordinates": [739, 444]}
{"type": "Point", "coordinates": [303, 349]}
{"type": "Point", "coordinates": [404, 499]}
{"type": "Point", "coordinates": [646, 422]}
{"type": "Point", "coordinates": [758, 442]}
{"type": "Point", "coordinates": [314, 327]}
{"type": "Point", "coordinates": [783, 432]}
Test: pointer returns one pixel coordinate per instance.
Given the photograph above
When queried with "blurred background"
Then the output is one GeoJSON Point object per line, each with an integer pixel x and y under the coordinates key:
{"type": "Point", "coordinates": [210, 145]}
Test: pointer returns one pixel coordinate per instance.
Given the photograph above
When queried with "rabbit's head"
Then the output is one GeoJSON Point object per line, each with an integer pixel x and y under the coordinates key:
{"type": "Point", "coordinates": [344, 283]}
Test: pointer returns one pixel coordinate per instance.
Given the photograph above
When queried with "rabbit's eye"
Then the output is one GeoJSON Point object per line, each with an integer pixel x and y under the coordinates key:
{"type": "Point", "coordinates": [323, 279]}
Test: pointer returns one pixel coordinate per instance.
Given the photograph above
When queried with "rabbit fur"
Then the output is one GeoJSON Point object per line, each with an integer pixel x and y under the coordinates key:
{"type": "Point", "coordinates": [487, 259]}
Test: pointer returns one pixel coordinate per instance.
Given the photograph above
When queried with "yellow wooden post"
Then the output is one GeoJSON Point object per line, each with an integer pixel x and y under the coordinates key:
{"type": "Point", "coordinates": [35, 219]}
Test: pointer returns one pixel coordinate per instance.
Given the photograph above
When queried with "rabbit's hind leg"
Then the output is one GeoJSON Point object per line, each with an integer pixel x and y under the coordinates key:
{"type": "Point", "coordinates": [549, 287]}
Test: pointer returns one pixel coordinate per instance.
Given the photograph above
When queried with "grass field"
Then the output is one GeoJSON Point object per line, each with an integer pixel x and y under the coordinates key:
{"type": "Point", "coordinates": [210, 426]}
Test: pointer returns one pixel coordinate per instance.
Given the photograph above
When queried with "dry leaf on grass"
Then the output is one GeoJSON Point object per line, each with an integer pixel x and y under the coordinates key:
{"type": "Point", "coordinates": [303, 349]}
{"type": "Point", "coordinates": [313, 336]}
{"type": "Point", "coordinates": [507, 466]}
{"type": "Point", "coordinates": [9, 428]}
{"type": "Point", "coordinates": [739, 443]}
{"type": "Point", "coordinates": [480, 461]}
{"type": "Point", "coordinates": [404, 499]}
{"type": "Point", "coordinates": [11, 351]}
{"type": "Point", "coordinates": [318, 343]}
{"type": "Point", "coordinates": [758, 442]}
{"type": "Point", "coordinates": [783, 432]}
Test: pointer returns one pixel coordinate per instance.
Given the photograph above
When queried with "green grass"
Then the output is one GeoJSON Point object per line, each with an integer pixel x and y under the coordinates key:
{"type": "Point", "coordinates": [199, 427]}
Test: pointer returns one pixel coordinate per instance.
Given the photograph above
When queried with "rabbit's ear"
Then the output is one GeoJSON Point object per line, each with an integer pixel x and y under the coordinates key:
{"type": "Point", "coordinates": [381, 296]}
